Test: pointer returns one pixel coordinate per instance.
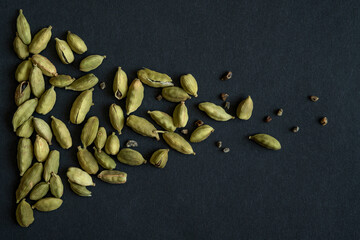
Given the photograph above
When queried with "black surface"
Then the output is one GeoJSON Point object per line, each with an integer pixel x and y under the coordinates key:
{"type": "Point", "coordinates": [280, 52]}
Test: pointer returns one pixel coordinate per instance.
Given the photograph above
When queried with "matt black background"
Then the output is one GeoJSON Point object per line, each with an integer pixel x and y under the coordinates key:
{"type": "Point", "coordinates": [280, 52]}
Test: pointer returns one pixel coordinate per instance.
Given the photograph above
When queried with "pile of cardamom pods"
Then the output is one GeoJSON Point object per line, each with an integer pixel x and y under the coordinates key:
{"type": "Point", "coordinates": [40, 181]}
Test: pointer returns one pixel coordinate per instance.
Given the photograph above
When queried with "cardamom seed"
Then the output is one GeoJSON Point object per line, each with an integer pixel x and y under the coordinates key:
{"type": "Point", "coordinates": [91, 62]}
{"type": "Point", "coordinates": [112, 145]}
{"type": "Point", "coordinates": [120, 85]}
{"type": "Point", "coordinates": [78, 176]}
{"type": "Point", "coordinates": [130, 157]}
{"type": "Point", "coordinates": [21, 49]}
{"type": "Point", "coordinates": [23, 70]}
{"type": "Point", "coordinates": [48, 204]}
{"type": "Point", "coordinates": [266, 141]}
{"type": "Point", "coordinates": [189, 84]}
{"type": "Point", "coordinates": [43, 129]}
{"type": "Point", "coordinates": [245, 108]}
{"type": "Point", "coordinates": [41, 149]}
{"type": "Point", "coordinates": [61, 132]}
{"type": "Point", "coordinates": [159, 158]}
{"type": "Point", "coordinates": [215, 112]}
{"type": "Point", "coordinates": [142, 126]}
{"type": "Point", "coordinates": [56, 185]}
{"type": "Point", "coordinates": [79, 190]}
{"type": "Point", "coordinates": [113, 176]}
{"type": "Point", "coordinates": [104, 160]}
{"type": "Point", "coordinates": [100, 139]}
{"type": "Point", "coordinates": [22, 93]}
{"type": "Point", "coordinates": [163, 119]}
{"type": "Point", "coordinates": [61, 81]}
{"type": "Point", "coordinates": [87, 161]}
{"type": "Point", "coordinates": [39, 191]}
{"type": "Point", "coordinates": [135, 96]}
{"type": "Point", "coordinates": [154, 79]}
{"type": "Point", "coordinates": [23, 28]}
{"type": "Point", "coordinates": [47, 101]}
{"type": "Point", "coordinates": [116, 115]}
{"type": "Point", "coordinates": [174, 94]}
{"type": "Point", "coordinates": [83, 83]}
{"type": "Point", "coordinates": [76, 43]}
{"type": "Point", "coordinates": [47, 68]}
{"type": "Point", "coordinates": [180, 115]}
{"type": "Point", "coordinates": [40, 41]}
{"type": "Point", "coordinates": [25, 155]}
{"type": "Point", "coordinates": [201, 133]}
{"type": "Point", "coordinates": [37, 82]}
{"type": "Point", "coordinates": [51, 165]}
{"type": "Point", "coordinates": [64, 51]}
{"type": "Point", "coordinates": [178, 143]}
{"type": "Point", "coordinates": [24, 214]}
{"type": "Point", "coordinates": [81, 106]}
{"type": "Point", "coordinates": [24, 112]}
{"type": "Point", "coordinates": [26, 129]}
{"type": "Point", "coordinates": [89, 131]}
{"type": "Point", "coordinates": [30, 178]}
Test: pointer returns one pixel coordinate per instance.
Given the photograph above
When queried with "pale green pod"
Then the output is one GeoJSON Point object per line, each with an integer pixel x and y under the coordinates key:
{"type": "Point", "coordinates": [51, 165]}
{"type": "Point", "coordinates": [78, 176]}
{"type": "Point", "coordinates": [39, 191]}
{"type": "Point", "coordinates": [56, 185]}
{"type": "Point", "coordinates": [163, 119]}
{"type": "Point", "coordinates": [21, 49]}
{"type": "Point", "coordinates": [24, 214]}
{"type": "Point", "coordinates": [135, 96]}
{"type": "Point", "coordinates": [266, 141]}
{"type": "Point", "coordinates": [64, 51]}
{"type": "Point", "coordinates": [245, 108]}
{"type": "Point", "coordinates": [79, 190]}
{"type": "Point", "coordinates": [37, 82]}
{"type": "Point", "coordinates": [31, 177]}
{"type": "Point", "coordinates": [174, 94]}
{"type": "Point", "coordinates": [61, 132]}
{"type": "Point", "coordinates": [24, 112]}
{"type": "Point", "coordinates": [89, 131]}
{"type": "Point", "coordinates": [154, 79]}
{"type": "Point", "coordinates": [142, 126]}
{"type": "Point", "coordinates": [23, 70]}
{"type": "Point", "coordinates": [76, 43]}
{"type": "Point", "coordinates": [117, 118]}
{"type": "Point", "coordinates": [180, 115]}
{"type": "Point", "coordinates": [26, 129]}
{"type": "Point", "coordinates": [91, 62]}
{"type": "Point", "coordinates": [112, 145]}
{"type": "Point", "coordinates": [23, 28]}
{"type": "Point", "coordinates": [61, 81]}
{"type": "Point", "coordinates": [178, 143]}
{"type": "Point", "coordinates": [104, 160]}
{"type": "Point", "coordinates": [87, 161]}
{"type": "Point", "coordinates": [47, 204]}
{"type": "Point", "coordinates": [47, 68]}
{"type": "Point", "coordinates": [201, 133]}
{"type": "Point", "coordinates": [83, 83]}
{"type": "Point", "coordinates": [130, 157]}
{"type": "Point", "coordinates": [81, 106]}
{"type": "Point", "coordinates": [40, 41]}
{"type": "Point", "coordinates": [41, 149]}
{"type": "Point", "coordinates": [25, 154]}
{"type": "Point", "coordinates": [215, 112]}
{"type": "Point", "coordinates": [43, 129]}
{"type": "Point", "coordinates": [100, 139]}
{"type": "Point", "coordinates": [159, 158]}
{"type": "Point", "coordinates": [120, 84]}
{"type": "Point", "coordinates": [189, 84]}
{"type": "Point", "coordinates": [47, 101]}
{"type": "Point", "coordinates": [22, 93]}
{"type": "Point", "coordinates": [113, 176]}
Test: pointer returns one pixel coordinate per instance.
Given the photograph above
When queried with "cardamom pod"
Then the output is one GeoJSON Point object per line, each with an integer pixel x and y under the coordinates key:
{"type": "Point", "coordinates": [64, 51]}
{"type": "Point", "coordinates": [61, 81]}
{"type": "Point", "coordinates": [61, 132]}
{"type": "Point", "coordinates": [154, 79]}
{"type": "Point", "coordinates": [180, 115]}
{"type": "Point", "coordinates": [87, 161]}
{"type": "Point", "coordinates": [26, 129]}
{"type": "Point", "coordinates": [120, 85]}
{"type": "Point", "coordinates": [39, 191]}
{"type": "Point", "coordinates": [30, 178]}
{"type": "Point", "coordinates": [174, 94]}
{"type": "Point", "coordinates": [89, 131]}
{"type": "Point", "coordinates": [91, 62]}
{"type": "Point", "coordinates": [41, 149]}
{"type": "Point", "coordinates": [47, 101]}
{"type": "Point", "coordinates": [76, 43]}
{"type": "Point", "coordinates": [215, 112]}
{"type": "Point", "coordinates": [23, 70]}
{"type": "Point", "coordinates": [245, 108]}
{"type": "Point", "coordinates": [51, 165]}
{"type": "Point", "coordinates": [135, 96]}
{"type": "Point", "coordinates": [178, 143]}
{"type": "Point", "coordinates": [79, 190]}
{"type": "Point", "coordinates": [56, 185]}
{"type": "Point", "coordinates": [43, 129]}
{"type": "Point", "coordinates": [104, 160]}
{"type": "Point", "coordinates": [24, 112]}
{"type": "Point", "coordinates": [266, 141]}
{"type": "Point", "coordinates": [21, 49]}
{"type": "Point", "coordinates": [116, 115]}
{"type": "Point", "coordinates": [81, 106]}
{"type": "Point", "coordinates": [159, 158]}
{"type": "Point", "coordinates": [23, 28]}
{"type": "Point", "coordinates": [40, 41]}
{"type": "Point", "coordinates": [83, 83]}
{"type": "Point", "coordinates": [22, 93]}
{"type": "Point", "coordinates": [25, 155]}
{"type": "Point", "coordinates": [189, 84]}
{"type": "Point", "coordinates": [24, 214]}
{"type": "Point", "coordinates": [78, 176]}
{"type": "Point", "coordinates": [100, 139]}
{"type": "Point", "coordinates": [47, 68]}
{"type": "Point", "coordinates": [113, 176]}
{"type": "Point", "coordinates": [163, 119]}
{"type": "Point", "coordinates": [112, 145]}
{"type": "Point", "coordinates": [48, 204]}
{"type": "Point", "coordinates": [142, 126]}
{"type": "Point", "coordinates": [201, 133]}
{"type": "Point", "coordinates": [130, 157]}
{"type": "Point", "coordinates": [37, 82]}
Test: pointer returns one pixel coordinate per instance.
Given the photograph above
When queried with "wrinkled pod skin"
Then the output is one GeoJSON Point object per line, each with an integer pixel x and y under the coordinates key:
{"type": "Point", "coordinates": [178, 143]}
{"type": "Point", "coordinates": [142, 126]}
{"type": "Point", "coordinates": [266, 141]}
{"type": "Point", "coordinates": [154, 79]}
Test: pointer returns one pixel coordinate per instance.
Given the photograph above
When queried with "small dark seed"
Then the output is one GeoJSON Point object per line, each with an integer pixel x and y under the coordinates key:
{"type": "Point", "coordinates": [226, 76]}
{"type": "Point", "coordinates": [131, 143]}
{"type": "Point", "coordinates": [314, 98]}
{"type": "Point", "coordinates": [224, 96]}
{"type": "Point", "coordinates": [185, 131]}
{"type": "Point", "coordinates": [102, 85]}
{"type": "Point", "coordinates": [227, 105]}
{"type": "Point", "coordinates": [295, 129]}
{"type": "Point", "coordinates": [323, 121]}
{"type": "Point", "coordinates": [226, 150]}
{"type": "Point", "coordinates": [219, 144]}
{"type": "Point", "coordinates": [199, 123]}
{"type": "Point", "coordinates": [159, 97]}
{"type": "Point", "coordinates": [267, 119]}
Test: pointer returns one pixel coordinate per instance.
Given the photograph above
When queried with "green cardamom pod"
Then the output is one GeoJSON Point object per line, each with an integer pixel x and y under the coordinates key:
{"type": "Point", "coordinates": [76, 43]}
{"type": "Point", "coordinates": [112, 145]}
{"type": "Point", "coordinates": [180, 115]}
{"type": "Point", "coordinates": [89, 131]}
{"type": "Point", "coordinates": [64, 51]}
{"type": "Point", "coordinates": [47, 204]}
{"type": "Point", "coordinates": [23, 28]}
{"type": "Point", "coordinates": [78, 176]}
{"type": "Point", "coordinates": [91, 62]}
{"type": "Point", "coordinates": [104, 160]}
{"type": "Point", "coordinates": [37, 82]}
{"type": "Point", "coordinates": [120, 85]}
{"type": "Point", "coordinates": [83, 83]}
{"type": "Point", "coordinates": [21, 49]}
{"type": "Point", "coordinates": [130, 157]}
{"type": "Point", "coordinates": [245, 108]}
{"type": "Point", "coordinates": [24, 112]}
{"type": "Point", "coordinates": [116, 115]}
{"type": "Point", "coordinates": [81, 106]}
{"type": "Point", "coordinates": [31, 177]}
{"type": "Point", "coordinates": [87, 161]}
{"type": "Point", "coordinates": [22, 93]}
{"type": "Point", "coordinates": [47, 68]}
{"type": "Point", "coordinates": [189, 84]}
{"type": "Point", "coordinates": [51, 165]}
{"type": "Point", "coordinates": [163, 119]}
{"type": "Point", "coordinates": [40, 41]}
{"type": "Point", "coordinates": [113, 176]}
{"type": "Point", "coordinates": [159, 158]}
{"type": "Point", "coordinates": [39, 191]}
{"type": "Point", "coordinates": [135, 96]}
{"type": "Point", "coordinates": [43, 129]}
{"type": "Point", "coordinates": [79, 190]}
{"type": "Point", "coordinates": [23, 70]}
{"type": "Point", "coordinates": [154, 79]}
{"type": "Point", "coordinates": [142, 126]}
{"type": "Point", "coordinates": [100, 139]}
{"type": "Point", "coordinates": [47, 101]}
{"type": "Point", "coordinates": [174, 94]}
{"type": "Point", "coordinates": [266, 141]}
{"type": "Point", "coordinates": [25, 155]}
{"type": "Point", "coordinates": [41, 149]}
{"type": "Point", "coordinates": [26, 129]}
{"type": "Point", "coordinates": [24, 214]}
{"type": "Point", "coordinates": [178, 143]}
{"type": "Point", "coordinates": [61, 132]}
{"type": "Point", "coordinates": [215, 112]}
{"type": "Point", "coordinates": [61, 81]}
{"type": "Point", "coordinates": [56, 185]}
{"type": "Point", "coordinates": [201, 133]}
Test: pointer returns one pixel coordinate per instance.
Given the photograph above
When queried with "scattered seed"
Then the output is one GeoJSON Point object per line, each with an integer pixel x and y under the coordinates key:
{"type": "Point", "coordinates": [227, 105]}
{"type": "Point", "coordinates": [314, 98]}
{"type": "Point", "coordinates": [323, 121]}
{"type": "Point", "coordinates": [267, 119]}
{"type": "Point", "coordinates": [185, 131]}
{"type": "Point", "coordinates": [295, 129]}
{"type": "Point", "coordinates": [226, 76]}
{"type": "Point", "coordinates": [159, 97]}
{"type": "Point", "coordinates": [226, 150]}
{"type": "Point", "coordinates": [224, 96]}
{"type": "Point", "coordinates": [131, 143]}
{"type": "Point", "coordinates": [280, 112]}
{"type": "Point", "coordinates": [199, 123]}
{"type": "Point", "coordinates": [219, 144]}
{"type": "Point", "coordinates": [102, 85]}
